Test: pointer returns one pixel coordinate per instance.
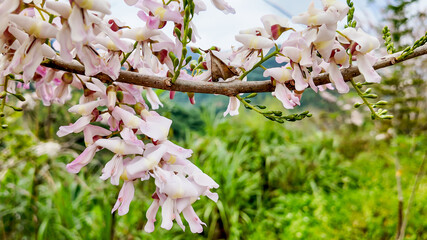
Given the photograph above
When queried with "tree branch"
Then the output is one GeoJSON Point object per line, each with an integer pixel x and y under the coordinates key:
{"type": "Point", "coordinates": [230, 88]}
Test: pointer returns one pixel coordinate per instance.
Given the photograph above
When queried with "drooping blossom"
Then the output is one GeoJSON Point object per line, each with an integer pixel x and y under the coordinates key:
{"type": "Point", "coordinates": [361, 44]}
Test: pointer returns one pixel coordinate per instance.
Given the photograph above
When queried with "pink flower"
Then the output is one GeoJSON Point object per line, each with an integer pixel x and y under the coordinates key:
{"type": "Point", "coordinates": [77, 127]}
{"type": "Point", "coordinates": [193, 220]}
{"type": "Point", "coordinates": [96, 5]}
{"type": "Point", "coordinates": [153, 99]}
{"type": "Point", "coordinates": [124, 199]}
{"type": "Point", "coordinates": [83, 159]}
{"type": "Point", "coordinates": [6, 7]}
{"type": "Point", "coordinates": [113, 169]}
{"type": "Point", "coordinates": [119, 146]}
{"type": "Point", "coordinates": [275, 25]}
{"type": "Point", "coordinates": [148, 161]}
{"type": "Point", "coordinates": [316, 17]}
{"type": "Point", "coordinates": [156, 126]}
{"type": "Point", "coordinates": [86, 108]}
{"type": "Point", "coordinates": [361, 44]}
{"type": "Point", "coordinates": [233, 107]}
{"type": "Point", "coordinates": [254, 42]}
{"type": "Point", "coordinates": [282, 75]}
{"type": "Point", "coordinates": [288, 99]}
{"type": "Point", "coordinates": [151, 216]}
{"type": "Point", "coordinates": [223, 6]}
{"type": "Point", "coordinates": [30, 54]}
{"type": "Point", "coordinates": [92, 133]}
{"type": "Point", "coordinates": [160, 12]}
{"type": "Point", "coordinates": [130, 137]}
{"type": "Point", "coordinates": [129, 119]}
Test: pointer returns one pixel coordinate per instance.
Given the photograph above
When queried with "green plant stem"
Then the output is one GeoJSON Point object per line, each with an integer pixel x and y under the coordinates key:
{"type": "Point", "coordinates": [182, 59]}
{"type": "Point", "coordinates": [353, 83]}
{"type": "Point", "coordinates": [3, 102]}
{"type": "Point", "coordinates": [128, 54]}
{"type": "Point", "coordinates": [258, 64]}
{"type": "Point", "coordinates": [248, 104]}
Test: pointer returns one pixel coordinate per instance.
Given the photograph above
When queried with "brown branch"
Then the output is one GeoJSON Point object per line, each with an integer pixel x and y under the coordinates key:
{"type": "Point", "coordinates": [230, 88]}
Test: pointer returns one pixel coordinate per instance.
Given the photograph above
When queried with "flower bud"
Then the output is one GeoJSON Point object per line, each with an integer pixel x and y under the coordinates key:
{"type": "Point", "coordinates": [215, 48]}
{"type": "Point", "coordinates": [191, 98]}
{"type": "Point", "coordinates": [17, 109]}
{"type": "Point", "coordinates": [139, 107]}
{"type": "Point", "coordinates": [111, 97]}
{"type": "Point", "coordinates": [120, 96]}
{"type": "Point", "coordinates": [381, 103]}
{"type": "Point", "coordinates": [19, 97]}
{"type": "Point", "coordinates": [357, 105]}
{"type": "Point", "coordinates": [387, 117]}
{"type": "Point", "coordinates": [252, 95]}
{"type": "Point", "coordinates": [195, 50]}
{"type": "Point", "coordinates": [67, 78]}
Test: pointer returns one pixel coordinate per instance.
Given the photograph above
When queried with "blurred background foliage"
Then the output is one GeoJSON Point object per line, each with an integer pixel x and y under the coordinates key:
{"type": "Point", "coordinates": [332, 176]}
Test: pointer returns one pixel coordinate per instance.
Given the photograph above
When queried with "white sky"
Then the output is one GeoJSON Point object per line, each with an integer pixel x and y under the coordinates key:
{"type": "Point", "coordinates": [219, 29]}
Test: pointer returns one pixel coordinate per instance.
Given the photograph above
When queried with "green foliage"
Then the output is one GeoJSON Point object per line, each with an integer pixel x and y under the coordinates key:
{"type": "Point", "coordinates": [276, 181]}
{"type": "Point", "coordinates": [404, 85]}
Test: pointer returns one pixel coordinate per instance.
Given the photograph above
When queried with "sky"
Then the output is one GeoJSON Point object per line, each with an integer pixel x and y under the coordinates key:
{"type": "Point", "coordinates": [219, 29]}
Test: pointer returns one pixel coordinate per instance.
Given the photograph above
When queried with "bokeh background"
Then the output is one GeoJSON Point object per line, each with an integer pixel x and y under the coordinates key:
{"type": "Point", "coordinates": [336, 175]}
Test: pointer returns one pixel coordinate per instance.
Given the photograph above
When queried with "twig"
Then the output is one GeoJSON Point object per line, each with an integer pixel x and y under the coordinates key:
{"type": "Point", "coordinates": [399, 195]}
{"type": "Point", "coordinates": [411, 198]}
{"type": "Point", "coordinates": [230, 88]}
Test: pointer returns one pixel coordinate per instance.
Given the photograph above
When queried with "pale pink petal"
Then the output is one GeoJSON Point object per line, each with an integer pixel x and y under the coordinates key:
{"type": "Point", "coordinates": [85, 108]}
{"type": "Point", "coordinates": [177, 186]}
{"type": "Point", "coordinates": [130, 137]}
{"type": "Point", "coordinates": [33, 26]}
{"type": "Point", "coordinates": [151, 216]}
{"type": "Point", "coordinates": [139, 34]}
{"type": "Point", "coordinates": [282, 93]}
{"type": "Point", "coordinates": [254, 42]}
{"type": "Point", "coordinates": [131, 2]}
{"type": "Point", "coordinates": [203, 179]}
{"type": "Point", "coordinates": [91, 131]}
{"type": "Point", "coordinates": [77, 127]}
{"type": "Point", "coordinates": [292, 53]}
{"type": "Point", "coordinates": [280, 74]}
{"type": "Point", "coordinates": [193, 220]}
{"type": "Point", "coordinates": [325, 41]}
{"type": "Point", "coordinates": [336, 77]}
{"type": "Point", "coordinates": [147, 162]}
{"type": "Point", "coordinates": [271, 20]}
{"type": "Point", "coordinates": [118, 146]}
{"type": "Point", "coordinates": [129, 119]}
{"type": "Point", "coordinates": [113, 169]}
{"type": "Point", "coordinates": [212, 196]}
{"type": "Point", "coordinates": [300, 83]}
{"type": "Point", "coordinates": [82, 160]}
{"type": "Point", "coordinates": [233, 107]}
{"type": "Point", "coordinates": [62, 8]}
{"type": "Point", "coordinates": [153, 98]}
{"type": "Point", "coordinates": [156, 127]}
{"type": "Point", "coordinates": [223, 6]}
{"type": "Point", "coordinates": [96, 5]}
{"type": "Point", "coordinates": [167, 214]}
{"type": "Point", "coordinates": [77, 25]}
{"type": "Point", "coordinates": [177, 150]}
{"type": "Point", "coordinates": [125, 198]}
{"type": "Point", "coordinates": [364, 63]}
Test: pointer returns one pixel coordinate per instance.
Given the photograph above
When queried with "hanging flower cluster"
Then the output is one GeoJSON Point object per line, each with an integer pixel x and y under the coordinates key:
{"type": "Point", "coordinates": [114, 116]}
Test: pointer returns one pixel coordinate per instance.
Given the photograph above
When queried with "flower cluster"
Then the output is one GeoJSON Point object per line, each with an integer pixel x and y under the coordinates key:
{"type": "Point", "coordinates": [115, 116]}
